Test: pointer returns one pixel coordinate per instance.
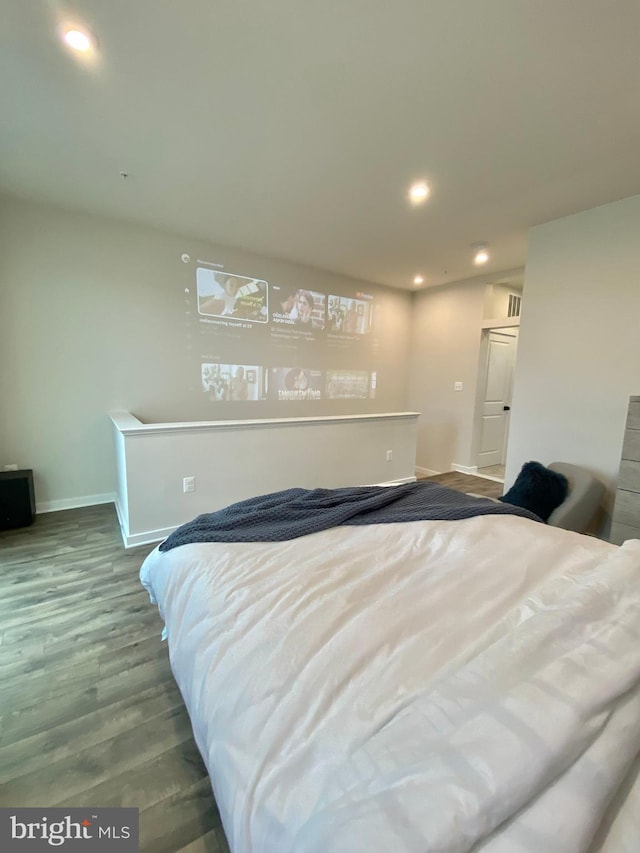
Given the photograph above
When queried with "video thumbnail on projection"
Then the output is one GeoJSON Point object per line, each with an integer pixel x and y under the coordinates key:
{"type": "Point", "coordinates": [295, 383]}
{"type": "Point", "coordinates": [349, 316]}
{"type": "Point", "coordinates": [233, 382]}
{"type": "Point", "coordinates": [222, 294]}
{"type": "Point", "coordinates": [297, 307]}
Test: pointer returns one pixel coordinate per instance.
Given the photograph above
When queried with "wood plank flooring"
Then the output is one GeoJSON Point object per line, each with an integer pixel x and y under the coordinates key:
{"type": "Point", "coordinates": [468, 483]}
{"type": "Point", "coordinates": [90, 714]}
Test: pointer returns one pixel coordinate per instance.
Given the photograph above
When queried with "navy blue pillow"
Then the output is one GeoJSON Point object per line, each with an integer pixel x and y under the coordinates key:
{"type": "Point", "coordinates": [538, 489]}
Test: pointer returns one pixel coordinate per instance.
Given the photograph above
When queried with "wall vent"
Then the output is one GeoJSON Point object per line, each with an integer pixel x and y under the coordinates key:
{"type": "Point", "coordinates": [514, 305]}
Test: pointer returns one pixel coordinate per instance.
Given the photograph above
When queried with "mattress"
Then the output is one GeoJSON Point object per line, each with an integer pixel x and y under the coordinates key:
{"type": "Point", "coordinates": [422, 686]}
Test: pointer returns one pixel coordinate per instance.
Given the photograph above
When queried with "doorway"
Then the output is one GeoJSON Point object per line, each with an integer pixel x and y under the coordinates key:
{"type": "Point", "coordinates": [495, 385]}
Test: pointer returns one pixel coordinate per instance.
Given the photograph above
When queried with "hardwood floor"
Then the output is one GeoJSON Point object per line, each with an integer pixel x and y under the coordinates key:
{"type": "Point", "coordinates": [89, 712]}
{"type": "Point", "coordinates": [496, 471]}
{"type": "Point", "coordinates": [468, 483]}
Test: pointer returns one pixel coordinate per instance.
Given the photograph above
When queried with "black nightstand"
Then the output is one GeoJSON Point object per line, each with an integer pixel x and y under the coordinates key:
{"type": "Point", "coordinates": [17, 499]}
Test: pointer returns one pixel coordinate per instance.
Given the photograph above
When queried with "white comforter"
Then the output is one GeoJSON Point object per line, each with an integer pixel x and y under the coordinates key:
{"type": "Point", "coordinates": [433, 686]}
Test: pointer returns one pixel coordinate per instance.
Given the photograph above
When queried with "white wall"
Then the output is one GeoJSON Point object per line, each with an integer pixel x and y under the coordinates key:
{"type": "Point", "coordinates": [496, 302]}
{"type": "Point", "coordinates": [447, 329]}
{"type": "Point", "coordinates": [93, 320]}
{"type": "Point", "coordinates": [232, 461]}
{"type": "Point", "coordinates": [579, 349]}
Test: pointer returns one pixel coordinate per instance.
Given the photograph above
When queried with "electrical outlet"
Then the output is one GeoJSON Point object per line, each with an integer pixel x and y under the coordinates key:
{"type": "Point", "coordinates": [457, 386]}
{"type": "Point", "coordinates": [11, 467]}
{"type": "Point", "coordinates": [188, 484]}
{"type": "Point", "coordinates": [389, 455]}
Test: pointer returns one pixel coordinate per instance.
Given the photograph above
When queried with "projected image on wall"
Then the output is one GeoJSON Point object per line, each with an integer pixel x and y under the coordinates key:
{"type": "Point", "coordinates": [233, 382]}
{"type": "Point", "coordinates": [287, 349]}
{"type": "Point", "coordinates": [223, 294]}
{"type": "Point", "coordinates": [347, 384]}
{"type": "Point", "coordinates": [301, 308]}
{"type": "Point", "coordinates": [295, 383]}
{"type": "Point", "coordinates": [349, 316]}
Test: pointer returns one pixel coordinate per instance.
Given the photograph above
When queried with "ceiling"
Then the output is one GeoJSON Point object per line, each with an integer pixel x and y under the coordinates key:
{"type": "Point", "coordinates": [293, 128]}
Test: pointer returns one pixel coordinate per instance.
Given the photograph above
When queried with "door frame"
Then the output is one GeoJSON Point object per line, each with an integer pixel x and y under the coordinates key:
{"type": "Point", "coordinates": [483, 365]}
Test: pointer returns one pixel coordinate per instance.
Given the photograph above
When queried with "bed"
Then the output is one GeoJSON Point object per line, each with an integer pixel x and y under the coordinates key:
{"type": "Point", "coordinates": [429, 684]}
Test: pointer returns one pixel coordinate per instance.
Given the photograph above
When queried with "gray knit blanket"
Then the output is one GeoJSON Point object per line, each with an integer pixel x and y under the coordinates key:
{"type": "Point", "coordinates": [297, 512]}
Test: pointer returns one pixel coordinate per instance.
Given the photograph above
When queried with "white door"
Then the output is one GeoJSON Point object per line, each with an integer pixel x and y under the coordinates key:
{"type": "Point", "coordinates": [496, 405]}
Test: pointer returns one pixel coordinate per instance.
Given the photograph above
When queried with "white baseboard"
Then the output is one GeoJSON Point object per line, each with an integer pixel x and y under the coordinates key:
{"type": "Point", "coordinates": [489, 477]}
{"type": "Point", "coordinates": [122, 521]}
{"type": "Point", "coordinates": [426, 472]}
{"type": "Point", "coordinates": [464, 469]}
{"type": "Point", "coordinates": [398, 482]}
{"type": "Point", "coordinates": [149, 537]}
{"type": "Point", "coordinates": [75, 503]}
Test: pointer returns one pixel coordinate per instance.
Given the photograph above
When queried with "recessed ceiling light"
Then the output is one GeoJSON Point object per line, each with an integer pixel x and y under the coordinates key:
{"type": "Point", "coordinates": [418, 279]}
{"type": "Point", "coordinates": [419, 192]}
{"type": "Point", "coordinates": [481, 255]}
{"type": "Point", "coordinates": [78, 40]}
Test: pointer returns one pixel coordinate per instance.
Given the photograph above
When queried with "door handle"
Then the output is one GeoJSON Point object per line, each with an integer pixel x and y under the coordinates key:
{"type": "Point", "coordinates": [506, 408]}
